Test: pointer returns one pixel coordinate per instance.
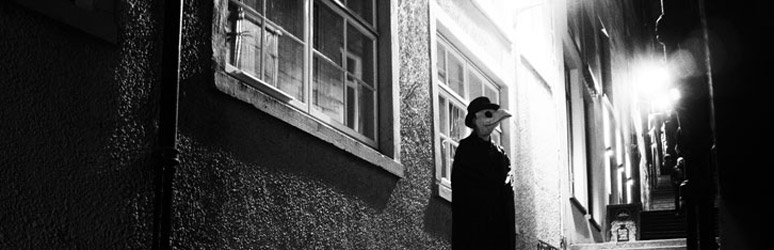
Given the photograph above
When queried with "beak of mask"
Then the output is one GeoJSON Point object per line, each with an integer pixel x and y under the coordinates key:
{"type": "Point", "coordinates": [491, 118]}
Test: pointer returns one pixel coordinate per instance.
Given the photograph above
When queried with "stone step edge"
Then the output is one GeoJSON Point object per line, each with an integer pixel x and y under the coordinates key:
{"type": "Point", "coordinates": [679, 243]}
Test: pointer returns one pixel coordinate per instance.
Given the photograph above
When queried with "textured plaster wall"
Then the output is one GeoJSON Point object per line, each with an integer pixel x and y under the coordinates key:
{"type": "Point", "coordinates": [537, 166]}
{"type": "Point", "coordinates": [77, 128]}
{"type": "Point", "coordinates": [248, 180]}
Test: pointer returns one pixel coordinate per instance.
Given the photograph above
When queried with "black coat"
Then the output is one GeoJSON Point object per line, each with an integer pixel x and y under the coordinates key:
{"type": "Point", "coordinates": [482, 204]}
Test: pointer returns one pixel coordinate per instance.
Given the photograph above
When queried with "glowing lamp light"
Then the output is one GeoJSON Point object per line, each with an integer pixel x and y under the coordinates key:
{"type": "Point", "coordinates": [654, 85]}
{"type": "Point", "coordinates": [662, 103]}
{"type": "Point", "coordinates": [667, 100]}
{"type": "Point", "coordinates": [653, 80]}
{"type": "Point", "coordinates": [675, 94]}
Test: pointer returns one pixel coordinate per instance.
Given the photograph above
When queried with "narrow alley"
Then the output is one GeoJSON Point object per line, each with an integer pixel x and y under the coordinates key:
{"type": "Point", "coordinates": [338, 124]}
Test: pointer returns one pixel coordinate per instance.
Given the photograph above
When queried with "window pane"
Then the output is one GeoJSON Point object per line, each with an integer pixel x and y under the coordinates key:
{"type": "Point", "coordinates": [443, 115]}
{"type": "Point", "coordinates": [445, 173]}
{"type": "Point", "coordinates": [270, 58]}
{"type": "Point", "coordinates": [289, 14]}
{"type": "Point", "coordinates": [492, 94]}
{"type": "Point", "coordinates": [456, 71]}
{"type": "Point", "coordinates": [496, 137]}
{"type": "Point", "coordinates": [367, 112]}
{"type": "Point", "coordinates": [351, 105]}
{"type": "Point", "coordinates": [257, 5]}
{"type": "Point", "coordinates": [475, 85]}
{"type": "Point", "coordinates": [249, 57]}
{"type": "Point", "coordinates": [363, 8]}
{"type": "Point", "coordinates": [456, 122]}
{"type": "Point", "coordinates": [231, 35]}
{"type": "Point", "coordinates": [452, 151]}
{"type": "Point", "coordinates": [360, 54]}
{"type": "Point", "coordinates": [328, 32]}
{"type": "Point", "coordinates": [360, 107]}
{"type": "Point", "coordinates": [291, 68]}
{"type": "Point", "coordinates": [247, 44]}
{"type": "Point", "coordinates": [441, 62]}
{"type": "Point", "coordinates": [328, 89]}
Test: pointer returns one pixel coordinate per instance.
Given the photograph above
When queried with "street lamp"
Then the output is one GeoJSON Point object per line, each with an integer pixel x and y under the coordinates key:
{"type": "Point", "coordinates": [654, 85]}
{"type": "Point", "coordinates": [666, 101]}
{"type": "Point", "coordinates": [674, 94]}
{"type": "Point", "coordinates": [652, 80]}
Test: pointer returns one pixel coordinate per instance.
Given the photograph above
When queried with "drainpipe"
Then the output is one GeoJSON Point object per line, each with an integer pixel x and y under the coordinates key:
{"type": "Point", "coordinates": [166, 150]}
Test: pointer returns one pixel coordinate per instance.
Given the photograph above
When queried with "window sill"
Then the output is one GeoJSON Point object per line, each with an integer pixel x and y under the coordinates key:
{"type": "Point", "coordinates": [281, 108]}
{"type": "Point", "coordinates": [576, 203]}
{"type": "Point", "coordinates": [443, 191]}
{"type": "Point", "coordinates": [276, 93]}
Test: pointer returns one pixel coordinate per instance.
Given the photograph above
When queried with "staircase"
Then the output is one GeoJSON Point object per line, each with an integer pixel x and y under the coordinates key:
{"type": "Point", "coordinates": [663, 199]}
{"type": "Point", "coordinates": [660, 228]}
{"type": "Point", "coordinates": [670, 244]}
{"type": "Point", "coordinates": [662, 225]}
{"type": "Point", "coordinates": [663, 194]}
{"type": "Point", "coordinates": [661, 220]}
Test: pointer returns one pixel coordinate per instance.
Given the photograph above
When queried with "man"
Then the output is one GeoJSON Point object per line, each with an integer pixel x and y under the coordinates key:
{"type": "Point", "coordinates": [678, 177]}
{"type": "Point", "coordinates": [482, 193]}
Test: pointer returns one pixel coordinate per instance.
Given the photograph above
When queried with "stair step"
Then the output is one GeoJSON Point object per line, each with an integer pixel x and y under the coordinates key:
{"type": "Point", "coordinates": [662, 222]}
{"type": "Point", "coordinates": [668, 244]}
{"type": "Point", "coordinates": [657, 223]}
{"type": "Point", "coordinates": [675, 218]}
{"type": "Point", "coordinates": [662, 191]}
{"type": "Point", "coordinates": [663, 228]}
{"type": "Point", "coordinates": [675, 225]}
{"type": "Point", "coordinates": [665, 235]}
{"type": "Point", "coordinates": [662, 225]}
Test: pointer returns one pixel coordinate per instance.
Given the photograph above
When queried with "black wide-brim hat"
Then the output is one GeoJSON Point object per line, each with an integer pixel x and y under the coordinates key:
{"type": "Point", "coordinates": [478, 104]}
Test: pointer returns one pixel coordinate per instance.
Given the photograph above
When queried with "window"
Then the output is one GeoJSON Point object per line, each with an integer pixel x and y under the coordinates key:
{"type": "Point", "coordinates": [605, 65]}
{"type": "Point", "coordinates": [579, 110]}
{"type": "Point", "coordinates": [458, 82]}
{"type": "Point", "coordinates": [322, 61]}
{"type": "Point", "coordinates": [590, 52]}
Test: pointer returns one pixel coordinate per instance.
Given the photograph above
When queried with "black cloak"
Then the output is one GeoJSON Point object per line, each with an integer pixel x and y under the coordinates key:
{"type": "Point", "coordinates": [482, 203]}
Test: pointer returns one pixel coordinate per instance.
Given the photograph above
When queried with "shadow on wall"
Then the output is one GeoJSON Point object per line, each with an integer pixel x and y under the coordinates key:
{"type": "Point", "coordinates": [75, 170]}
{"type": "Point", "coordinates": [223, 123]}
{"type": "Point", "coordinates": [438, 218]}
{"type": "Point", "coordinates": [582, 227]}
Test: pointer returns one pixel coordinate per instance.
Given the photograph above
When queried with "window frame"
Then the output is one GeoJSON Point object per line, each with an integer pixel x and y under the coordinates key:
{"type": "Point", "coordinates": [349, 19]}
{"type": "Point", "coordinates": [384, 150]}
{"type": "Point", "coordinates": [443, 90]}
